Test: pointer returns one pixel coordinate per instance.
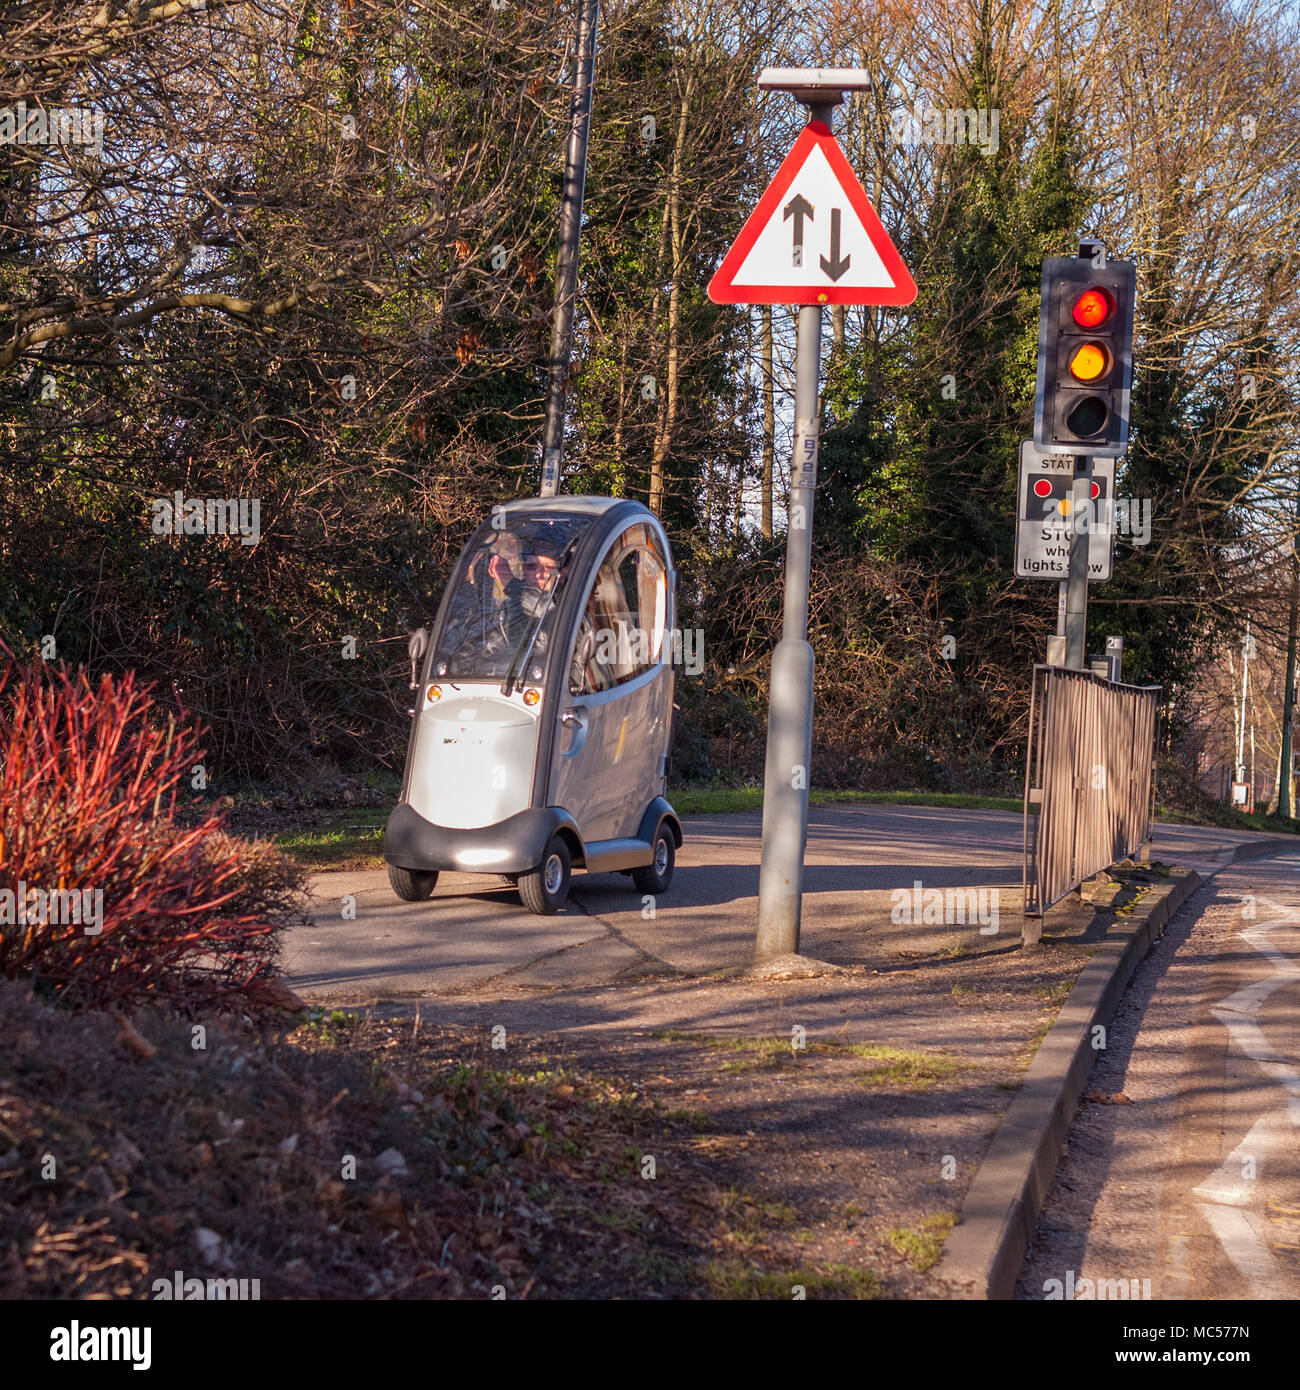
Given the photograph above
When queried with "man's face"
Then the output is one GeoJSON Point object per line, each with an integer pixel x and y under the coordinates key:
{"type": "Point", "coordinates": [539, 571]}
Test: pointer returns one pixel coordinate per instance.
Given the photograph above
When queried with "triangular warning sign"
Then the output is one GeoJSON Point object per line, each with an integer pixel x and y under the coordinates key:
{"type": "Point", "coordinates": [814, 238]}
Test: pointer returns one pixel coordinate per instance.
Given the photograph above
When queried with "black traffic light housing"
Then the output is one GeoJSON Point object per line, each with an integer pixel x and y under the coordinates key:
{"type": "Point", "coordinates": [1085, 359]}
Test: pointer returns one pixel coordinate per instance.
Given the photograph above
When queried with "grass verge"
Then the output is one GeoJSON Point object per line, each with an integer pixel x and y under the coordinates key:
{"type": "Point", "coordinates": [922, 1247]}
{"type": "Point", "coordinates": [902, 1068]}
{"type": "Point", "coordinates": [699, 801]}
{"type": "Point", "coordinates": [734, 1279]}
{"type": "Point", "coordinates": [355, 843]}
{"type": "Point", "coordinates": [352, 844]}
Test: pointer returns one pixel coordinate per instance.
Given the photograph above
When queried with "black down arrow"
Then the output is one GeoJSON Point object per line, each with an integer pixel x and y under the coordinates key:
{"type": "Point", "coordinates": [835, 267]}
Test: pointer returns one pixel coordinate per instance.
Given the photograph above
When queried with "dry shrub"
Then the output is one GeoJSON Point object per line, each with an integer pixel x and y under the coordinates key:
{"type": "Point", "coordinates": [90, 777]}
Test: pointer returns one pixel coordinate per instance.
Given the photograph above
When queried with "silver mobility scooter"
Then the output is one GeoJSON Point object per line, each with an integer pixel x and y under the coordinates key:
{"type": "Point", "coordinates": [544, 708]}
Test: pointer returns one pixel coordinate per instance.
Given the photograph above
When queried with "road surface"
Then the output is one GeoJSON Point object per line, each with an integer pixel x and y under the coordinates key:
{"type": "Point", "coordinates": [1191, 1189]}
{"type": "Point", "coordinates": [474, 931]}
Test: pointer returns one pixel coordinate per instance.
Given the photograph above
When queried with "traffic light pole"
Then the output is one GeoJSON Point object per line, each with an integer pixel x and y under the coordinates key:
{"type": "Point", "coordinates": [1076, 591]}
{"type": "Point", "coordinates": [1285, 806]}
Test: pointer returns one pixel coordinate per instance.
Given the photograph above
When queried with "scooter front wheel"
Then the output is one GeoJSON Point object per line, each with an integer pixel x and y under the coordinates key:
{"type": "Point", "coordinates": [546, 888]}
{"type": "Point", "coordinates": [411, 885]}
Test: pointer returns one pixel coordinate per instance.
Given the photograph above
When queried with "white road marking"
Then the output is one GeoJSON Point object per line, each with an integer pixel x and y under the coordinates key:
{"type": "Point", "coordinates": [1228, 1184]}
{"type": "Point", "coordinates": [1227, 1187]}
{"type": "Point", "coordinates": [1245, 1249]}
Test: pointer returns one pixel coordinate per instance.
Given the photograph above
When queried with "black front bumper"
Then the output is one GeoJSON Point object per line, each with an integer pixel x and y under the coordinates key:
{"type": "Point", "coordinates": [512, 846]}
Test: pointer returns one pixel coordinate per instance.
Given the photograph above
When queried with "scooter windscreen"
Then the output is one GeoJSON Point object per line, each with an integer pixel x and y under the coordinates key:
{"type": "Point", "coordinates": [501, 611]}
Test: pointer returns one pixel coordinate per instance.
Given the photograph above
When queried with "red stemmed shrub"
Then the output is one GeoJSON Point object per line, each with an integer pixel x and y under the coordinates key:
{"type": "Point", "coordinates": [90, 775]}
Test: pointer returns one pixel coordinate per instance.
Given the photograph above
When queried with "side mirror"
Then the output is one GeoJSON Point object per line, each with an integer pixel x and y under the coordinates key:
{"type": "Point", "coordinates": [416, 647]}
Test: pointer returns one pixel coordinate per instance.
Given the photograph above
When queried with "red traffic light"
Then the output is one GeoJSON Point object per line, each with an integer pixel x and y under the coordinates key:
{"type": "Point", "coordinates": [1093, 307]}
{"type": "Point", "coordinates": [1043, 487]}
{"type": "Point", "coordinates": [1096, 491]}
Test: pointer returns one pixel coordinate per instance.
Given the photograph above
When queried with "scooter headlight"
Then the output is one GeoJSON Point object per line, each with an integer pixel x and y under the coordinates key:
{"type": "Point", "coordinates": [433, 693]}
{"type": "Point", "coordinates": [474, 857]}
{"type": "Point", "coordinates": [531, 697]}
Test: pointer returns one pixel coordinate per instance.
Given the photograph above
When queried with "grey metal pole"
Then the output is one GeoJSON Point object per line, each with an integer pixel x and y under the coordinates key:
{"type": "Point", "coordinates": [1076, 594]}
{"type": "Point", "coordinates": [1285, 806]}
{"type": "Point", "coordinates": [790, 702]}
{"type": "Point", "coordinates": [1241, 723]}
{"type": "Point", "coordinates": [566, 273]}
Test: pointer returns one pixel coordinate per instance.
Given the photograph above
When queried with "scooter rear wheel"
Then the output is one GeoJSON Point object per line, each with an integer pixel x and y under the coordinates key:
{"type": "Point", "coordinates": [655, 877]}
{"type": "Point", "coordinates": [411, 885]}
{"type": "Point", "coordinates": [546, 888]}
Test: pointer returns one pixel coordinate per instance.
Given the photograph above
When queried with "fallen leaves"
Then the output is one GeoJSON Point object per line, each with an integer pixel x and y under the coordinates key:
{"type": "Point", "coordinates": [278, 995]}
{"type": "Point", "coordinates": [467, 1175]}
{"type": "Point", "coordinates": [132, 1039]}
{"type": "Point", "coordinates": [1107, 1097]}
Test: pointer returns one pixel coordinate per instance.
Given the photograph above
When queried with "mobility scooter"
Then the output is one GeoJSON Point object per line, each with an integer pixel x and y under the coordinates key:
{"type": "Point", "coordinates": [543, 708]}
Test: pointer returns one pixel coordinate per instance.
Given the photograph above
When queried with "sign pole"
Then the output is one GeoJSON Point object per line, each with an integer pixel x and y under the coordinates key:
{"type": "Point", "coordinates": [790, 708]}
{"type": "Point", "coordinates": [786, 771]}
{"type": "Point", "coordinates": [813, 239]}
{"type": "Point", "coordinates": [1076, 596]}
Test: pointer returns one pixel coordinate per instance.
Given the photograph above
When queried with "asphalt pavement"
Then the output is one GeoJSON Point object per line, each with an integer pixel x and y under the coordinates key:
{"type": "Point", "coordinates": [365, 944]}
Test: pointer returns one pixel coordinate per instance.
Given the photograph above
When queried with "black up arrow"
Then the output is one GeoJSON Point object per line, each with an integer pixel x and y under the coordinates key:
{"type": "Point", "coordinates": [835, 267]}
{"type": "Point", "coordinates": [798, 207]}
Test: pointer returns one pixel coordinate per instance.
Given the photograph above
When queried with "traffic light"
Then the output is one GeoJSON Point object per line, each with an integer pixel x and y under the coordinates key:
{"type": "Point", "coordinates": [1085, 354]}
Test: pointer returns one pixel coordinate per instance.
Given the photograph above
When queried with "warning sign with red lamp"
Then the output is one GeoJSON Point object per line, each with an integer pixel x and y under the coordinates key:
{"type": "Point", "coordinates": [814, 238]}
{"type": "Point", "coordinates": [1043, 516]}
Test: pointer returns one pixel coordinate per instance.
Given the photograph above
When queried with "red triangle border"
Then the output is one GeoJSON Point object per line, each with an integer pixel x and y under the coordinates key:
{"type": "Point", "coordinates": [813, 135]}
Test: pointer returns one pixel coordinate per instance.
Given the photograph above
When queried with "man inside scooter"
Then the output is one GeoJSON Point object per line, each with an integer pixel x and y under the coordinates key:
{"type": "Point", "coordinates": [506, 591]}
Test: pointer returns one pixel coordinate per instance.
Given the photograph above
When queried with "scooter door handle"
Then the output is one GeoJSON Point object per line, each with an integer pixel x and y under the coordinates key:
{"type": "Point", "coordinates": [575, 719]}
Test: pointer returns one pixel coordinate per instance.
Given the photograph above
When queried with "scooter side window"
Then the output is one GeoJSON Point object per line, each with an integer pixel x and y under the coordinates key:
{"type": "Point", "coordinates": [596, 664]}
{"type": "Point", "coordinates": [621, 633]}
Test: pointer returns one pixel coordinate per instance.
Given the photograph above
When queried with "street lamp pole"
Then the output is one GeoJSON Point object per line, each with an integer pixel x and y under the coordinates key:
{"type": "Point", "coordinates": [566, 274]}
